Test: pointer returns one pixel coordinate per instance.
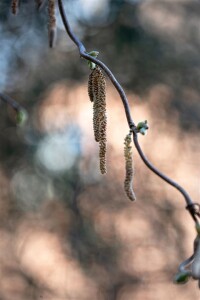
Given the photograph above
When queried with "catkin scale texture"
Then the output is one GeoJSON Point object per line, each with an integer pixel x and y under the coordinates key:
{"type": "Point", "coordinates": [129, 169]}
{"type": "Point", "coordinates": [97, 95]}
{"type": "Point", "coordinates": [90, 86]}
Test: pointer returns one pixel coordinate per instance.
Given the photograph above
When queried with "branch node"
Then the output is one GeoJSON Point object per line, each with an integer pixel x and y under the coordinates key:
{"type": "Point", "coordinates": [194, 209]}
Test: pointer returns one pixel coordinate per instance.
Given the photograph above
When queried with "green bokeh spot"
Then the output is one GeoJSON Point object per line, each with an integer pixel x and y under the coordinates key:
{"type": "Point", "coordinates": [21, 117]}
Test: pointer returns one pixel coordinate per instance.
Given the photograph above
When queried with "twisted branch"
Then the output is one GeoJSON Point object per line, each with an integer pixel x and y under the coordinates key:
{"type": "Point", "coordinates": [190, 205]}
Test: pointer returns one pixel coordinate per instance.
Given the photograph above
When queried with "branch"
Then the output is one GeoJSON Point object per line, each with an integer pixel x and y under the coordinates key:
{"type": "Point", "coordinates": [191, 206]}
{"type": "Point", "coordinates": [21, 114]}
{"type": "Point", "coordinates": [14, 104]}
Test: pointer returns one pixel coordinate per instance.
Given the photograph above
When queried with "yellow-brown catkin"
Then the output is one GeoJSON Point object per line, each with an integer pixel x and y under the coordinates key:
{"type": "Point", "coordinates": [52, 22]}
{"type": "Point", "coordinates": [128, 187]}
{"type": "Point", "coordinates": [102, 147]}
{"type": "Point", "coordinates": [14, 6]}
{"type": "Point", "coordinates": [97, 95]}
{"type": "Point", "coordinates": [90, 87]}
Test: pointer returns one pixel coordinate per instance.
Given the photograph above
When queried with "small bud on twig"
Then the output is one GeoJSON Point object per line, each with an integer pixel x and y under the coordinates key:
{"type": "Point", "coordinates": [94, 53]}
{"type": "Point", "coordinates": [142, 127]}
{"type": "Point", "coordinates": [182, 277]}
{"type": "Point", "coordinates": [92, 65]}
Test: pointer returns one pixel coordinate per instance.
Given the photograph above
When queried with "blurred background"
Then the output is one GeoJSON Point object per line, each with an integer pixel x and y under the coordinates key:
{"type": "Point", "coordinates": [67, 232]}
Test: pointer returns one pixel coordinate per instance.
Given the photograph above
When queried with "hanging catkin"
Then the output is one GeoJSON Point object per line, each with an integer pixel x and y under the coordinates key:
{"type": "Point", "coordinates": [90, 86]}
{"type": "Point", "coordinates": [52, 23]}
{"type": "Point", "coordinates": [129, 168]}
{"type": "Point", "coordinates": [14, 6]}
{"type": "Point", "coordinates": [102, 147]}
{"type": "Point", "coordinates": [97, 95]}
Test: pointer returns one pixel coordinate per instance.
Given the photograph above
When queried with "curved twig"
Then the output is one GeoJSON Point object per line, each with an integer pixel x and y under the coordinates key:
{"type": "Point", "coordinates": [186, 263]}
{"type": "Point", "coordinates": [125, 102]}
{"type": "Point", "coordinates": [157, 172]}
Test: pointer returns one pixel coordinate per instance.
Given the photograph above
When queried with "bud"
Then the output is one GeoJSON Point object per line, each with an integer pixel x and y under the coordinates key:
{"type": "Point", "coordinates": [94, 53]}
{"type": "Point", "coordinates": [142, 127]}
{"type": "Point", "coordinates": [91, 65]}
{"type": "Point", "coordinates": [182, 277]}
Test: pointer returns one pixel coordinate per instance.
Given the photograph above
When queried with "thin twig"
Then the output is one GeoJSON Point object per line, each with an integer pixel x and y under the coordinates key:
{"type": "Point", "coordinates": [125, 102]}
{"type": "Point", "coordinates": [14, 104]}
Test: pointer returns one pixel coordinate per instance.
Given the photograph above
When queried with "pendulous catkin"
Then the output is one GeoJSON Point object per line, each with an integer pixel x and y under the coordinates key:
{"type": "Point", "coordinates": [14, 6]}
{"type": "Point", "coordinates": [97, 95]}
{"type": "Point", "coordinates": [128, 187]}
{"type": "Point", "coordinates": [90, 86]}
{"type": "Point", "coordinates": [52, 23]}
{"type": "Point", "coordinates": [102, 147]}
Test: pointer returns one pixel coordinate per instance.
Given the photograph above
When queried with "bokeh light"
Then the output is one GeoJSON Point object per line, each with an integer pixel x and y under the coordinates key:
{"type": "Point", "coordinates": [67, 232]}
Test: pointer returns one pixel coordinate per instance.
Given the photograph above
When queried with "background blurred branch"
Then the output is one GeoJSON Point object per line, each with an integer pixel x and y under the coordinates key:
{"type": "Point", "coordinates": [14, 104]}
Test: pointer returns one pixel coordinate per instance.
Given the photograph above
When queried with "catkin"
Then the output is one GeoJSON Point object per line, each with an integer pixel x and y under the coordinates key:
{"type": "Point", "coordinates": [52, 23]}
{"type": "Point", "coordinates": [129, 168]}
{"type": "Point", "coordinates": [90, 86]}
{"type": "Point", "coordinates": [97, 95]}
{"type": "Point", "coordinates": [93, 91]}
{"type": "Point", "coordinates": [14, 6]}
{"type": "Point", "coordinates": [102, 146]}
